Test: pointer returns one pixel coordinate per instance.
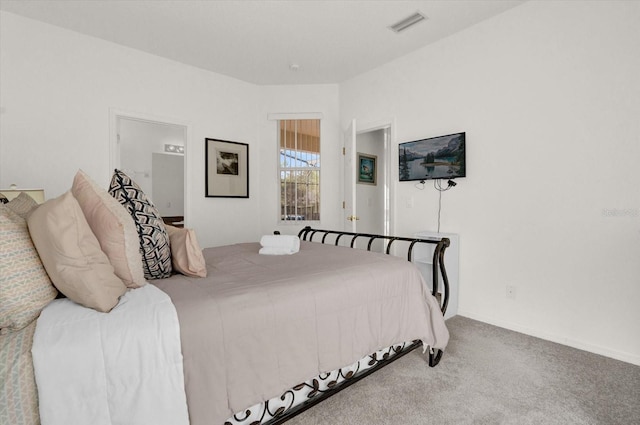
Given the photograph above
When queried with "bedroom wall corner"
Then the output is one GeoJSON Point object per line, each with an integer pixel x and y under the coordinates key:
{"type": "Point", "coordinates": [550, 204]}
{"type": "Point", "coordinates": [57, 88]}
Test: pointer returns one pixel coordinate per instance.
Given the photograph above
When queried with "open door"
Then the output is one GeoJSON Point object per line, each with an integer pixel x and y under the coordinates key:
{"type": "Point", "coordinates": [349, 152]}
{"type": "Point", "coordinates": [134, 139]}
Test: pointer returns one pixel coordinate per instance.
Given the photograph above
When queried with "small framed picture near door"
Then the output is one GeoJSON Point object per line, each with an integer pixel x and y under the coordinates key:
{"type": "Point", "coordinates": [367, 168]}
{"type": "Point", "coordinates": [226, 169]}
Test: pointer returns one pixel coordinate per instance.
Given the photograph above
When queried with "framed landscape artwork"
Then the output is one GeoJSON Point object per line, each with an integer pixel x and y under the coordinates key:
{"type": "Point", "coordinates": [226, 169]}
{"type": "Point", "coordinates": [367, 169]}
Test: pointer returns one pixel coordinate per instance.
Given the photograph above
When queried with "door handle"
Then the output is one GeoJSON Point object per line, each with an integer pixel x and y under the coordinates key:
{"type": "Point", "coordinates": [353, 218]}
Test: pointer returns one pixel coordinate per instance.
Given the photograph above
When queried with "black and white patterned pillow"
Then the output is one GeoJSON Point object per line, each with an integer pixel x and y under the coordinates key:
{"type": "Point", "coordinates": [154, 239]}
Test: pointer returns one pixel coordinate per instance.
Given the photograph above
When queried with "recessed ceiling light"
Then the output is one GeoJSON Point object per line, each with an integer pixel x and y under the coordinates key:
{"type": "Point", "coordinates": [407, 22]}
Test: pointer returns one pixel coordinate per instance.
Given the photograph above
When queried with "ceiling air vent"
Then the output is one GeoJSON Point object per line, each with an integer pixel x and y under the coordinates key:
{"type": "Point", "coordinates": [407, 22]}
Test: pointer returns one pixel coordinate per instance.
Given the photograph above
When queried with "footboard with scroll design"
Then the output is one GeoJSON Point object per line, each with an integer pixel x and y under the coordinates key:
{"type": "Point", "coordinates": [312, 392]}
{"type": "Point", "coordinates": [328, 236]}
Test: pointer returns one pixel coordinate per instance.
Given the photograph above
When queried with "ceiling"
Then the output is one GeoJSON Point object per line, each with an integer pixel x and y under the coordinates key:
{"type": "Point", "coordinates": [258, 41]}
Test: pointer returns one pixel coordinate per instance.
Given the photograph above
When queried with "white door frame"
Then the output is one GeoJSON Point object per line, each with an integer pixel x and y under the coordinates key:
{"type": "Point", "coordinates": [349, 212]}
{"type": "Point", "coordinates": [114, 152]}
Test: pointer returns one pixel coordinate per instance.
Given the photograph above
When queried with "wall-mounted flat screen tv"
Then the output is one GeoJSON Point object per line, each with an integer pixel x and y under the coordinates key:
{"type": "Point", "coordinates": [441, 157]}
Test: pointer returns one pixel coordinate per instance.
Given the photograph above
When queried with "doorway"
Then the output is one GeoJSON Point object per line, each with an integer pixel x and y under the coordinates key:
{"type": "Point", "coordinates": [368, 196]}
{"type": "Point", "coordinates": [152, 153]}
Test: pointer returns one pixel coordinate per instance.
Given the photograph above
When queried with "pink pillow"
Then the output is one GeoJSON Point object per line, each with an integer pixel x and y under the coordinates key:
{"type": "Point", "coordinates": [72, 256]}
{"type": "Point", "coordinates": [186, 255]}
{"type": "Point", "coordinates": [113, 226]}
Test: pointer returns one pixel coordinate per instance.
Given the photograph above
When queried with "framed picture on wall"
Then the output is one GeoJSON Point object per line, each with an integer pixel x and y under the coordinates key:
{"type": "Point", "coordinates": [367, 168]}
{"type": "Point", "coordinates": [226, 169]}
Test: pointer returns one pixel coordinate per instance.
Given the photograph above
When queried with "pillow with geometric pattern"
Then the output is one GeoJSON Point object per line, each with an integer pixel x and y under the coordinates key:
{"type": "Point", "coordinates": [25, 287]}
{"type": "Point", "coordinates": [154, 240]}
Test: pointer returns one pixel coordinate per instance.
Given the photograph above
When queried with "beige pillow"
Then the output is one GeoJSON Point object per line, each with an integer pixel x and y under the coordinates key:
{"type": "Point", "coordinates": [186, 255]}
{"type": "Point", "coordinates": [25, 288]}
{"type": "Point", "coordinates": [72, 256]}
{"type": "Point", "coordinates": [113, 226]}
{"type": "Point", "coordinates": [22, 205]}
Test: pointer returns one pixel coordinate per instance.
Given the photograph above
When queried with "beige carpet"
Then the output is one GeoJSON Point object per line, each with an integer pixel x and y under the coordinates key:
{"type": "Point", "coordinates": [490, 375]}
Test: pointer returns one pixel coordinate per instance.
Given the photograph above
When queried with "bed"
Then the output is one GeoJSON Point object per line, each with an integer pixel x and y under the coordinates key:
{"type": "Point", "coordinates": [257, 328]}
{"type": "Point", "coordinates": [307, 394]}
{"type": "Point", "coordinates": [260, 339]}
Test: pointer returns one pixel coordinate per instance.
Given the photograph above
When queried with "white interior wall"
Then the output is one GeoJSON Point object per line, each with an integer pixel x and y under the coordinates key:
{"type": "Point", "coordinates": [57, 88]}
{"type": "Point", "coordinates": [548, 94]}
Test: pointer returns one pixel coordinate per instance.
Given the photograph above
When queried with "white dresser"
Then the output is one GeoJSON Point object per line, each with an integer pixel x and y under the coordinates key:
{"type": "Point", "coordinates": [423, 259]}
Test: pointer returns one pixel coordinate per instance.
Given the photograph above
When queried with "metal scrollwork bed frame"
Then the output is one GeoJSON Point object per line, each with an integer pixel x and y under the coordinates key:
{"type": "Point", "coordinates": [317, 391]}
{"type": "Point", "coordinates": [308, 233]}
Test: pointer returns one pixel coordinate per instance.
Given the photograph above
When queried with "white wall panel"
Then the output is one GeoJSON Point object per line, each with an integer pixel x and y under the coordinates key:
{"type": "Point", "coordinates": [57, 88]}
{"type": "Point", "coordinates": [548, 94]}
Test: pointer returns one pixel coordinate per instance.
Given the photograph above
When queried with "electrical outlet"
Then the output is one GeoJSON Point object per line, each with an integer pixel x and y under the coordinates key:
{"type": "Point", "coordinates": [410, 202]}
{"type": "Point", "coordinates": [511, 292]}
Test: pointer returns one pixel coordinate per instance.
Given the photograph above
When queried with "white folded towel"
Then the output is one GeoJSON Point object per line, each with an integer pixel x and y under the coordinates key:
{"type": "Point", "coordinates": [279, 244]}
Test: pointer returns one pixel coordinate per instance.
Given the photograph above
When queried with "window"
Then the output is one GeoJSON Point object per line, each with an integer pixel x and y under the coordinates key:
{"type": "Point", "coordinates": [299, 169]}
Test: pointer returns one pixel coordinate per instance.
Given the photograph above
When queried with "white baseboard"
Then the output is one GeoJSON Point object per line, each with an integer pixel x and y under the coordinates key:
{"type": "Point", "coordinates": [607, 352]}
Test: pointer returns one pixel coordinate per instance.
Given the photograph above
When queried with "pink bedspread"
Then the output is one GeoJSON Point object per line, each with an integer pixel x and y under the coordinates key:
{"type": "Point", "coordinates": [259, 325]}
